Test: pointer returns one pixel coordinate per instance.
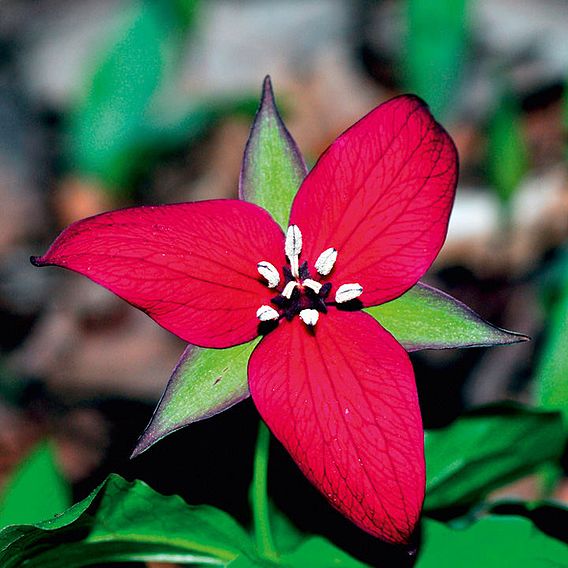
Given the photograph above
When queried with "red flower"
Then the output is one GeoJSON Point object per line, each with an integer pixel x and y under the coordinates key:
{"type": "Point", "coordinates": [333, 386]}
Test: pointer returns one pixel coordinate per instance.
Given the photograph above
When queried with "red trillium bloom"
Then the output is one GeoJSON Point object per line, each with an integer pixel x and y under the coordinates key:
{"type": "Point", "coordinates": [332, 384]}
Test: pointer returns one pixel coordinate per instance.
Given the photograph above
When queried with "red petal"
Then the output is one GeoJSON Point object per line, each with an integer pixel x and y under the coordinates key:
{"type": "Point", "coordinates": [381, 194]}
{"type": "Point", "coordinates": [192, 266]}
{"type": "Point", "coordinates": [343, 402]}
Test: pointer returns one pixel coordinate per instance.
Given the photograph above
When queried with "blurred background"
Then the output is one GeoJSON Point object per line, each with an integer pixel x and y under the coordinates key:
{"type": "Point", "coordinates": [109, 103]}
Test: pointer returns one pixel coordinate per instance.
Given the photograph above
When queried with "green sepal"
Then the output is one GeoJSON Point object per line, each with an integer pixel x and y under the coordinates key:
{"type": "Point", "coordinates": [427, 318]}
{"type": "Point", "coordinates": [273, 167]}
{"type": "Point", "coordinates": [204, 383]}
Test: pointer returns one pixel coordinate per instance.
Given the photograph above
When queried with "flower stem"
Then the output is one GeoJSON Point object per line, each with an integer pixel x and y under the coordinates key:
{"type": "Point", "coordinates": [259, 496]}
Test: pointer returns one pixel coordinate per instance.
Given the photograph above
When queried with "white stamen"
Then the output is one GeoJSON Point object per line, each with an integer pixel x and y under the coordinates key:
{"type": "Point", "coordinates": [312, 285]}
{"type": "Point", "coordinates": [347, 292]}
{"type": "Point", "coordinates": [309, 316]}
{"type": "Point", "coordinates": [267, 313]}
{"type": "Point", "coordinates": [293, 244]}
{"type": "Point", "coordinates": [293, 247]}
{"type": "Point", "coordinates": [268, 271]}
{"type": "Point", "coordinates": [325, 261]}
{"type": "Point", "coordinates": [288, 289]}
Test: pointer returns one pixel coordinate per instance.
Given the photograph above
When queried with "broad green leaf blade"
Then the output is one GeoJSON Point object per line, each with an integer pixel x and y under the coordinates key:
{"type": "Point", "coordinates": [507, 160]}
{"type": "Point", "coordinates": [436, 47]}
{"type": "Point", "coordinates": [317, 552]}
{"type": "Point", "coordinates": [552, 370]}
{"type": "Point", "coordinates": [493, 542]}
{"type": "Point", "coordinates": [36, 491]}
{"type": "Point", "coordinates": [204, 383]}
{"type": "Point", "coordinates": [273, 167]}
{"type": "Point", "coordinates": [126, 521]}
{"type": "Point", "coordinates": [427, 318]}
{"type": "Point", "coordinates": [485, 449]}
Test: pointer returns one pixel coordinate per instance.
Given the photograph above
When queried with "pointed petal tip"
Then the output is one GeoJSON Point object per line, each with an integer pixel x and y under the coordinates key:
{"type": "Point", "coordinates": [37, 261]}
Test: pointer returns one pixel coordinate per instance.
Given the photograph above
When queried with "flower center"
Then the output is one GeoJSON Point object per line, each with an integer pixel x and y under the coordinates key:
{"type": "Point", "coordinates": [301, 294]}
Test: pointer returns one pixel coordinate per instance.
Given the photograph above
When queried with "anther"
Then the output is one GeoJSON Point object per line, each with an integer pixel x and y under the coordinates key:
{"type": "Point", "coordinates": [309, 316]}
{"type": "Point", "coordinates": [293, 247]}
{"type": "Point", "coordinates": [325, 261]}
{"type": "Point", "coordinates": [267, 313]}
{"type": "Point", "coordinates": [348, 292]}
{"type": "Point", "coordinates": [312, 285]}
{"type": "Point", "coordinates": [289, 288]}
{"type": "Point", "coordinates": [269, 272]}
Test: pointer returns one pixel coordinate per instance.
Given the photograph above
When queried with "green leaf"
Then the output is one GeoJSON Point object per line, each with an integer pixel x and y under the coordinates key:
{"type": "Point", "coordinates": [507, 160]}
{"type": "Point", "coordinates": [435, 50]}
{"type": "Point", "coordinates": [247, 562]}
{"type": "Point", "coordinates": [552, 370]}
{"type": "Point", "coordinates": [273, 167]}
{"type": "Point", "coordinates": [107, 130]}
{"type": "Point", "coordinates": [427, 318]}
{"type": "Point", "coordinates": [172, 122]}
{"type": "Point", "coordinates": [493, 542]}
{"type": "Point", "coordinates": [36, 490]}
{"type": "Point", "coordinates": [204, 383]}
{"type": "Point", "coordinates": [126, 521]}
{"type": "Point", "coordinates": [317, 552]}
{"type": "Point", "coordinates": [485, 449]}
{"type": "Point", "coordinates": [287, 537]}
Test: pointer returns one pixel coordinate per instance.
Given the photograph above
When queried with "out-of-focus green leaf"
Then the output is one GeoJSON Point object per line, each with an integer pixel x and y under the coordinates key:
{"type": "Point", "coordinates": [105, 126]}
{"type": "Point", "coordinates": [134, 110]}
{"type": "Point", "coordinates": [317, 552]}
{"type": "Point", "coordinates": [273, 167]}
{"type": "Point", "coordinates": [435, 50]}
{"type": "Point", "coordinates": [123, 522]}
{"type": "Point", "coordinates": [427, 318]}
{"type": "Point", "coordinates": [131, 113]}
{"type": "Point", "coordinates": [492, 542]}
{"type": "Point", "coordinates": [204, 383]}
{"type": "Point", "coordinates": [552, 370]}
{"type": "Point", "coordinates": [507, 160]}
{"type": "Point", "coordinates": [486, 448]}
{"type": "Point", "coordinates": [171, 122]}
{"type": "Point", "coordinates": [36, 491]}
